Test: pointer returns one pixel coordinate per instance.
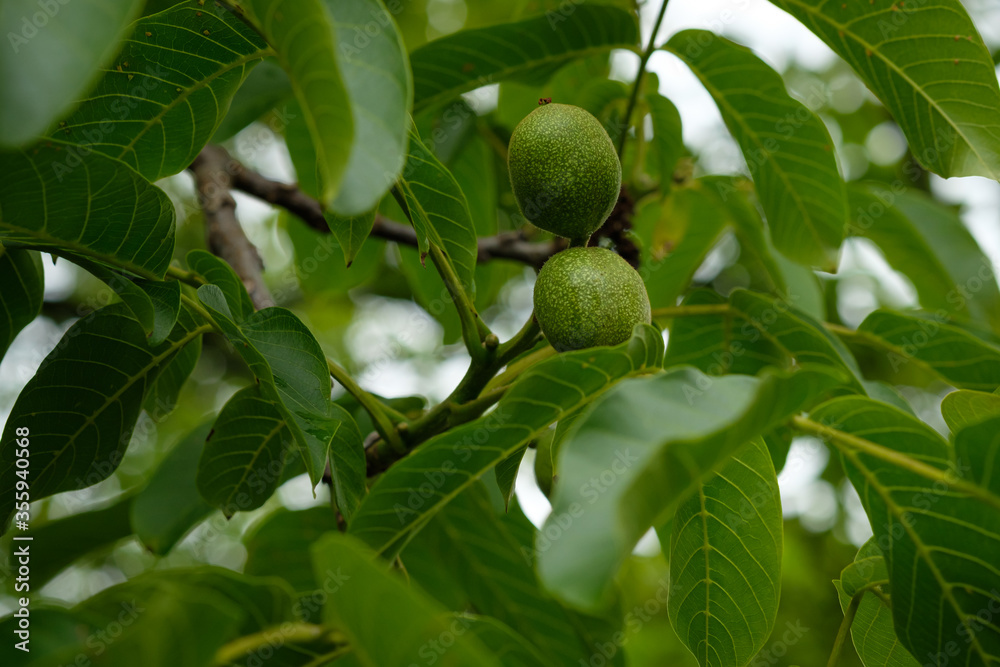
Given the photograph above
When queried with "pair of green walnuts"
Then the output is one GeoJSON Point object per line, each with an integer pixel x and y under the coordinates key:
{"type": "Point", "coordinates": [566, 178]}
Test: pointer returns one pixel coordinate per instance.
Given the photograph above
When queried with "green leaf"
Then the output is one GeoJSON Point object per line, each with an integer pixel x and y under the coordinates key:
{"type": "Point", "coordinates": [640, 452]}
{"type": "Point", "coordinates": [217, 272]}
{"type": "Point", "coordinates": [956, 356]}
{"type": "Point", "coordinates": [418, 622]}
{"type": "Point", "coordinates": [940, 544]}
{"type": "Point", "coordinates": [306, 44]}
{"type": "Point", "coordinates": [376, 72]}
{"type": "Point", "coordinates": [468, 59]}
{"type": "Point", "coordinates": [262, 91]}
{"type": "Point", "coordinates": [787, 148]}
{"type": "Point", "coordinates": [169, 505]}
{"type": "Point", "coordinates": [755, 331]}
{"type": "Point", "coordinates": [40, 205]}
{"type": "Point", "coordinates": [668, 140]}
{"type": "Point", "coordinates": [479, 548]}
{"type": "Point", "coordinates": [21, 299]}
{"type": "Point", "coordinates": [946, 104]}
{"type": "Point", "coordinates": [977, 451]}
{"type": "Point", "coordinates": [348, 468]}
{"type": "Point", "coordinates": [872, 632]}
{"type": "Point", "coordinates": [163, 395]}
{"type": "Point", "coordinates": [415, 488]}
{"type": "Point", "coordinates": [291, 369]}
{"type": "Point", "coordinates": [55, 545]}
{"type": "Point", "coordinates": [928, 243]}
{"type": "Point", "coordinates": [54, 53]}
{"type": "Point", "coordinates": [351, 232]}
{"type": "Point", "coordinates": [83, 402]}
{"type": "Point", "coordinates": [279, 546]}
{"type": "Point", "coordinates": [167, 90]}
{"type": "Point", "coordinates": [962, 408]}
{"type": "Point", "coordinates": [725, 560]}
{"type": "Point", "coordinates": [503, 642]}
{"type": "Point", "coordinates": [244, 454]}
{"type": "Point", "coordinates": [439, 211]}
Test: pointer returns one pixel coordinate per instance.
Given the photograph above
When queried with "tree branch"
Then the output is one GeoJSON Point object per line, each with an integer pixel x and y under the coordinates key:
{"type": "Point", "coordinates": [509, 245]}
{"type": "Point", "coordinates": [226, 238]}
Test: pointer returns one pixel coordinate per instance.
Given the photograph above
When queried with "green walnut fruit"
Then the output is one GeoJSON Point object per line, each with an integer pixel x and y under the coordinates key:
{"type": "Point", "coordinates": [589, 296]}
{"type": "Point", "coordinates": [564, 170]}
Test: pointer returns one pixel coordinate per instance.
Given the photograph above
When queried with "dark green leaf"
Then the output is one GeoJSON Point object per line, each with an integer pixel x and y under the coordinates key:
{"type": "Point", "coordinates": [348, 468]}
{"type": "Point", "coordinates": [168, 89]}
{"type": "Point", "coordinates": [23, 283]}
{"type": "Point", "coordinates": [279, 547]}
{"type": "Point", "coordinates": [351, 232]}
{"type": "Point", "coordinates": [946, 104]}
{"type": "Point", "coordinates": [306, 46]}
{"type": "Point", "coordinates": [977, 452]}
{"type": "Point", "coordinates": [413, 489]}
{"type": "Point", "coordinates": [217, 272]}
{"type": "Point", "coordinates": [162, 396]}
{"type": "Point", "coordinates": [83, 402]}
{"type": "Point", "coordinates": [640, 452]}
{"type": "Point", "coordinates": [472, 58]}
{"type": "Point", "coordinates": [417, 621]}
{"type": "Point", "coordinates": [668, 140]}
{"type": "Point", "coordinates": [503, 642]}
{"type": "Point", "coordinates": [292, 372]}
{"type": "Point", "coordinates": [439, 210]}
{"type": "Point", "coordinates": [54, 53]}
{"type": "Point", "coordinates": [126, 222]}
{"type": "Point", "coordinates": [787, 148]}
{"type": "Point", "coordinates": [266, 87]}
{"type": "Point", "coordinates": [169, 505]}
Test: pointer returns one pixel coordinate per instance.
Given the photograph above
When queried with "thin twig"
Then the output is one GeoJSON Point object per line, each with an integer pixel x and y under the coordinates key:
{"type": "Point", "coordinates": [644, 59]}
{"type": "Point", "coordinates": [845, 629]}
{"type": "Point", "coordinates": [226, 238]}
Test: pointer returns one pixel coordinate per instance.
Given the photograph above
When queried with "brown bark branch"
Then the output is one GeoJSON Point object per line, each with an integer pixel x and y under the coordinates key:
{"type": "Point", "coordinates": [212, 174]}
{"type": "Point", "coordinates": [508, 245]}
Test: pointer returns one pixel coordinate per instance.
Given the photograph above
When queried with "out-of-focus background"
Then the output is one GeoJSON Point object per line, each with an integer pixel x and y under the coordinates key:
{"type": "Point", "coordinates": [372, 316]}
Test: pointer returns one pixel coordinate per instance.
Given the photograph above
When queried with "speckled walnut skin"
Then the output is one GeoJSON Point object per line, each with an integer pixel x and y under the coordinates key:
{"type": "Point", "coordinates": [589, 296]}
{"type": "Point", "coordinates": [564, 170]}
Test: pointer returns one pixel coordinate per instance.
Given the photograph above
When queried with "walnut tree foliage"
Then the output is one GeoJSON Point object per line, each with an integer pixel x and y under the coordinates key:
{"type": "Point", "coordinates": [422, 554]}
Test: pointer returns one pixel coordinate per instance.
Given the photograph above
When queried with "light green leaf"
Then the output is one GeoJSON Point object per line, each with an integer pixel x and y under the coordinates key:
{"type": "Point", "coordinates": [872, 632]}
{"type": "Point", "coordinates": [439, 211]}
{"type": "Point", "coordinates": [927, 63]}
{"type": "Point", "coordinates": [954, 355]}
{"type": "Point", "coordinates": [169, 505]}
{"type": "Point", "coordinates": [668, 140]}
{"type": "Point", "coordinates": [962, 408]}
{"type": "Point", "coordinates": [725, 560]}
{"type": "Point", "coordinates": [472, 58]}
{"type": "Point", "coordinates": [977, 452]}
{"type": "Point", "coordinates": [83, 402]}
{"type": "Point", "coordinates": [928, 243]}
{"type": "Point", "coordinates": [656, 439]}
{"type": "Point", "coordinates": [940, 544]}
{"type": "Point", "coordinates": [376, 72]}
{"type": "Point", "coordinates": [244, 454]}
{"type": "Point", "coordinates": [400, 502]}
{"type": "Point", "coordinates": [291, 368]}
{"type": "Point", "coordinates": [306, 44]}
{"type": "Point", "coordinates": [755, 331]}
{"type": "Point", "coordinates": [787, 148]}
{"type": "Point", "coordinates": [166, 92]}
{"type": "Point", "coordinates": [217, 272]}
{"type": "Point", "coordinates": [126, 223]}
{"type": "Point", "coordinates": [21, 299]}
{"type": "Point", "coordinates": [351, 232]}
{"type": "Point", "coordinates": [52, 55]}
{"type": "Point", "coordinates": [417, 621]}
{"type": "Point", "coordinates": [867, 571]}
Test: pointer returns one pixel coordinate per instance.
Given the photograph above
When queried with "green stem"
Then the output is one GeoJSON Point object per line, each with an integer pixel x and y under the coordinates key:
{"type": "Point", "coordinates": [237, 649]}
{"type": "Point", "coordinates": [851, 442]}
{"type": "Point", "coordinates": [477, 406]}
{"type": "Point", "coordinates": [515, 369]}
{"type": "Point", "coordinates": [187, 277]}
{"type": "Point", "coordinates": [198, 308]}
{"type": "Point", "coordinates": [643, 60]}
{"type": "Point", "coordinates": [380, 419]}
{"type": "Point", "coordinates": [845, 630]}
{"type": "Point", "coordinates": [579, 243]}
